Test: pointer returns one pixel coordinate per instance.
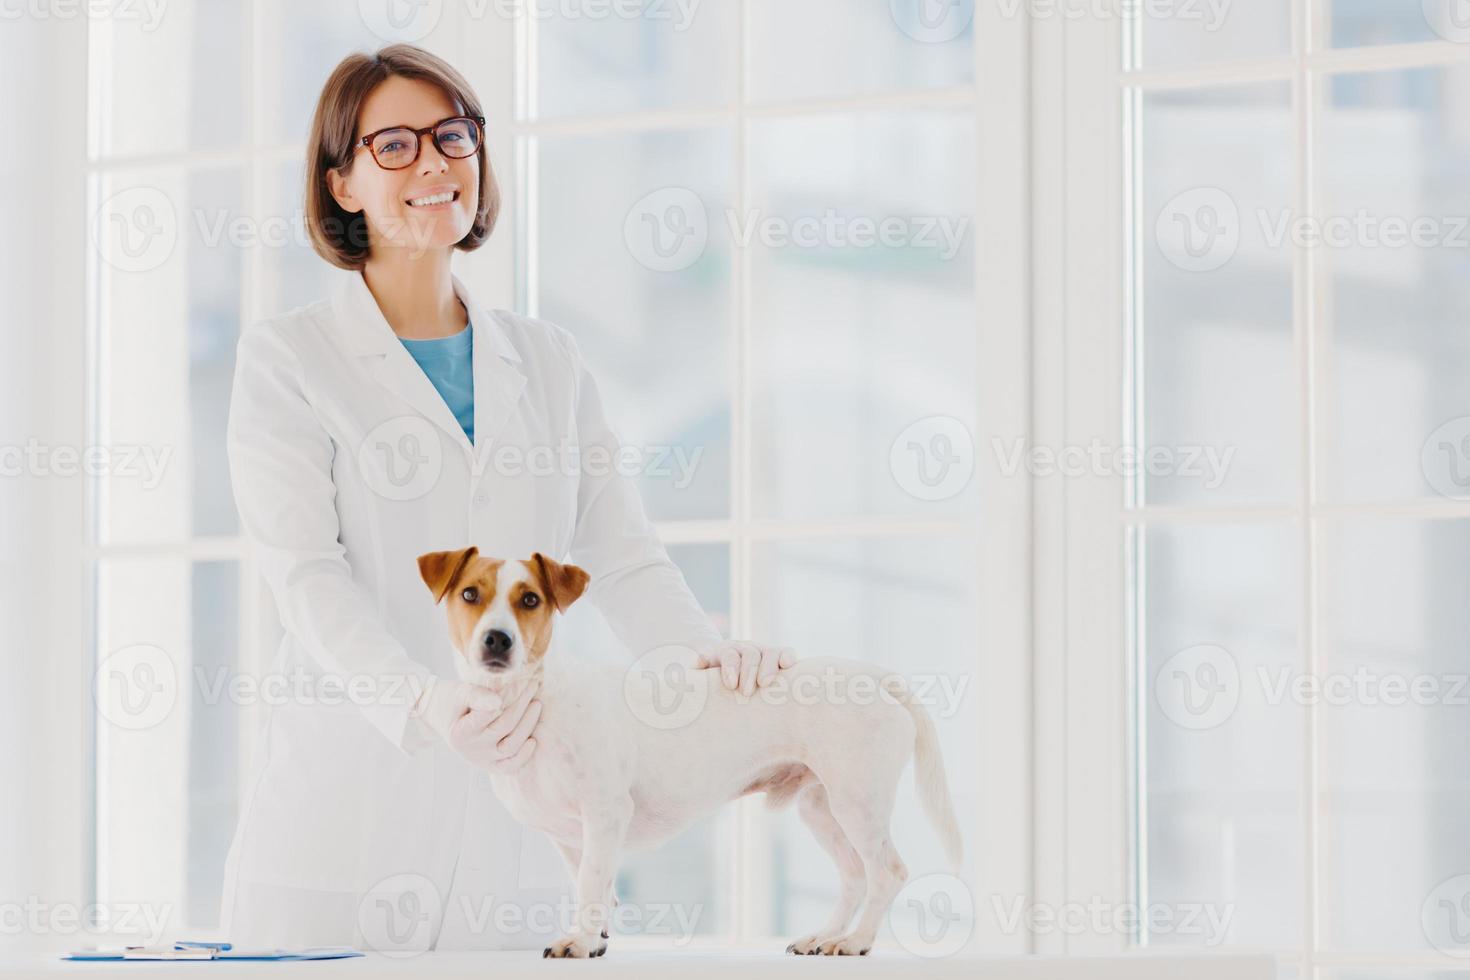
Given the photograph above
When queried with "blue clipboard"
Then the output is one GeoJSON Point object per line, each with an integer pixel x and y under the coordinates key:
{"type": "Point", "coordinates": [195, 951]}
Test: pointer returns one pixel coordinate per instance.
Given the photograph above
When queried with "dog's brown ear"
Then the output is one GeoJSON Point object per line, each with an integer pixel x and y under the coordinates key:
{"type": "Point", "coordinates": [441, 568]}
{"type": "Point", "coordinates": [564, 583]}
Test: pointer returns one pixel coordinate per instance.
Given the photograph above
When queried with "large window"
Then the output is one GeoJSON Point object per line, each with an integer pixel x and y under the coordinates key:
{"type": "Point", "coordinates": [1297, 206]}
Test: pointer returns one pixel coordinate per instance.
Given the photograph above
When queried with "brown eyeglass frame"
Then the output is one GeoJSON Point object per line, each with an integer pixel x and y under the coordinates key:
{"type": "Point", "coordinates": [431, 132]}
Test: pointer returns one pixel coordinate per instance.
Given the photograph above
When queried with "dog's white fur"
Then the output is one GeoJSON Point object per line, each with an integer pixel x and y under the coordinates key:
{"type": "Point", "coordinates": [602, 780]}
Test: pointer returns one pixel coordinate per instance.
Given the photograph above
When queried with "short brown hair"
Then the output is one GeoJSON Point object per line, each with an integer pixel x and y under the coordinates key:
{"type": "Point", "coordinates": [338, 236]}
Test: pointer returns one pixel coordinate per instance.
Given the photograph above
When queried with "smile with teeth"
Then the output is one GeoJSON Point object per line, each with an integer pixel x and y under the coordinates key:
{"type": "Point", "coordinates": [433, 199]}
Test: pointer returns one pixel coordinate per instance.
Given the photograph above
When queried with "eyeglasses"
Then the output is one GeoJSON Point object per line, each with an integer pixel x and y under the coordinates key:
{"type": "Point", "coordinates": [398, 146]}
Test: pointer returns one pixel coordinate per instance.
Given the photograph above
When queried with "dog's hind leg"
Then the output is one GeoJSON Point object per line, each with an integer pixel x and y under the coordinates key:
{"type": "Point", "coordinates": [864, 819]}
{"type": "Point", "coordinates": [811, 803]}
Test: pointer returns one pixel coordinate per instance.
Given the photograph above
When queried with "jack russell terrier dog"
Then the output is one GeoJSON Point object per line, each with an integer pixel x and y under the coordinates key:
{"type": "Point", "coordinates": [602, 780]}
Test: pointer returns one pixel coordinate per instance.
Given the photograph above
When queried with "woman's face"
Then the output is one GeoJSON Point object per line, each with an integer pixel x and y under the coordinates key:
{"type": "Point", "coordinates": [384, 195]}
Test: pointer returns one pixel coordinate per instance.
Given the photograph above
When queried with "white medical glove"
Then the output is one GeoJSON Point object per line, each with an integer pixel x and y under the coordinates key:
{"type": "Point", "coordinates": [745, 664]}
{"type": "Point", "coordinates": [478, 726]}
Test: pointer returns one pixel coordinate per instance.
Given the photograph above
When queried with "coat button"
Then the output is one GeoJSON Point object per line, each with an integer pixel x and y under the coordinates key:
{"type": "Point", "coordinates": [481, 499]}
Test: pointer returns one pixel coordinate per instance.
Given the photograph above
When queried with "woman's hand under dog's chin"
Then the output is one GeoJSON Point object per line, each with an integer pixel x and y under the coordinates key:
{"type": "Point", "coordinates": [496, 730]}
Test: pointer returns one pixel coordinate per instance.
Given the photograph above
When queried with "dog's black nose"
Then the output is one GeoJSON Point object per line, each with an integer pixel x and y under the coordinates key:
{"type": "Point", "coordinates": [497, 647]}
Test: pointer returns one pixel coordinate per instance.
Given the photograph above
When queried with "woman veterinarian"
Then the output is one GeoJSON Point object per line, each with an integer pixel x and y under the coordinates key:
{"type": "Point", "coordinates": [363, 432]}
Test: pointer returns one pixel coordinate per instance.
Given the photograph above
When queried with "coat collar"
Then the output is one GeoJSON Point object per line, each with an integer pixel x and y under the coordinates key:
{"type": "Point", "coordinates": [498, 381]}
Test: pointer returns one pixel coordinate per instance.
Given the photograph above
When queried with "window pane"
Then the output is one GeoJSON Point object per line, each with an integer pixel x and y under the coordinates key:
{"type": "Point", "coordinates": [907, 604]}
{"type": "Point", "coordinates": [862, 313]}
{"type": "Point", "coordinates": [292, 273]}
{"type": "Point", "coordinates": [681, 888]}
{"type": "Point", "coordinates": [706, 568]}
{"type": "Point", "coordinates": [1219, 614]}
{"type": "Point", "coordinates": [169, 302]}
{"type": "Point", "coordinates": [1181, 34]}
{"type": "Point", "coordinates": [167, 738]}
{"type": "Point", "coordinates": [1395, 151]}
{"type": "Point", "coordinates": [827, 48]}
{"type": "Point", "coordinates": [1219, 369]}
{"type": "Point", "coordinates": [1395, 721]}
{"type": "Point", "coordinates": [634, 259]}
{"type": "Point", "coordinates": [671, 55]}
{"type": "Point", "coordinates": [150, 94]}
{"type": "Point", "coordinates": [1363, 22]}
{"type": "Point", "coordinates": [303, 42]}
{"type": "Point", "coordinates": [214, 735]}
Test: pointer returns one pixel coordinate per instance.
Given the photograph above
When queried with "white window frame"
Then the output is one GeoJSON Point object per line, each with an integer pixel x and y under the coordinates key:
{"type": "Point", "coordinates": [1080, 671]}
{"type": "Point", "coordinates": [45, 601]}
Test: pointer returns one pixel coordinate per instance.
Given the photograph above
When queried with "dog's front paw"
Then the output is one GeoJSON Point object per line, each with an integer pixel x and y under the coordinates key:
{"type": "Point", "coordinates": [805, 946]}
{"type": "Point", "coordinates": [575, 947]}
{"type": "Point", "coordinates": [843, 946]}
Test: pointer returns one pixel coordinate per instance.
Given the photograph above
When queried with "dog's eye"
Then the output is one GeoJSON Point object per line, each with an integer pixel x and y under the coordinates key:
{"type": "Point", "coordinates": [471, 595]}
{"type": "Point", "coordinates": [530, 600]}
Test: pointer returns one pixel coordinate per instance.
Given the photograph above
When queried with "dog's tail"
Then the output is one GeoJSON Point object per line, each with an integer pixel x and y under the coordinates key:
{"type": "Point", "coordinates": [929, 778]}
